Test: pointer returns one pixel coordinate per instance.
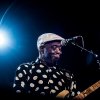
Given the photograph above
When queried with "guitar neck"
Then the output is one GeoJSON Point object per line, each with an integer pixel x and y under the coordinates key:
{"type": "Point", "coordinates": [89, 90]}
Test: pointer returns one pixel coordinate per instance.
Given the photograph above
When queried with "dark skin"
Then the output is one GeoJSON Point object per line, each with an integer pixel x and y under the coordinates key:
{"type": "Point", "coordinates": [50, 52]}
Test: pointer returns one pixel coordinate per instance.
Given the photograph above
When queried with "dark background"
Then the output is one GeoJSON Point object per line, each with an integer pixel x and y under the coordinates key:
{"type": "Point", "coordinates": [27, 19]}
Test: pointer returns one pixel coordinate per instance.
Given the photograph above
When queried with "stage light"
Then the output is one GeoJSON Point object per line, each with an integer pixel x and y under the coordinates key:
{"type": "Point", "coordinates": [4, 39]}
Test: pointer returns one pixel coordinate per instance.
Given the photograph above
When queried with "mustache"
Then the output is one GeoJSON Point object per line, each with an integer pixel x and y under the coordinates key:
{"type": "Point", "coordinates": [56, 53]}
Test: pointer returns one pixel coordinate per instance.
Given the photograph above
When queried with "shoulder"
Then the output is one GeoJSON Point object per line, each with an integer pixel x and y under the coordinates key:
{"type": "Point", "coordinates": [65, 70]}
{"type": "Point", "coordinates": [25, 66]}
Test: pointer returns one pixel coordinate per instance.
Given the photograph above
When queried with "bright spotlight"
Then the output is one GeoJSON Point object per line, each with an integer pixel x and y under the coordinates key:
{"type": "Point", "coordinates": [4, 39]}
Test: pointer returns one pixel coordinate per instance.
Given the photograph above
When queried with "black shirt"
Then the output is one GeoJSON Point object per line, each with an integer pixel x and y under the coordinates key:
{"type": "Point", "coordinates": [38, 79]}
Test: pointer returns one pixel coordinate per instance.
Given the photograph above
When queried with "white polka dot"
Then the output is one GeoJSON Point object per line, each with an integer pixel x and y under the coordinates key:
{"type": "Point", "coordinates": [30, 71]}
{"type": "Point", "coordinates": [44, 76]}
{"type": "Point", "coordinates": [24, 71]}
{"type": "Point", "coordinates": [61, 72]}
{"type": "Point", "coordinates": [50, 81]}
{"type": "Point", "coordinates": [53, 91]}
{"type": "Point", "coordinates": [37, 88]}
{"type": "Point", "coordinates": [26, 65]}
{"type": "Point", "coordinates": [22, 84]}
{"type": "Point", "coordinates": [49, 70]}
{"type": "Point", "coordinates": [59, 83]}
{"type": "Point", "coordinates": [58, 73]}
{"type": "Point", "coordinates": [28, 78]}
{"type": "Point", "coordinates": [46, 87]}
{"type": "Point", "coordinates": [78, 92]}
{"type": "Point", "coordinates": [32, 85]}
{"type": "Point", "coordinates": [73, 94]}
{"type": "Point", "coordinates": [14, 85]}
{"type": "Point", "coordinates": [42, 93]}
{"type": "Point", "coordinates": [67, 74]}
{"type": "Point", "coordinates": [33, 67]}
{"type": "Point", "coordinates": [71, 77]}
{"type": "Point", "coordinates": [38, 71]}
{"type": "Point", "coordinates": [20, 75]}
{"type": "Point", "coordinates": [16, 78]}
{"type": "Point", "coordinates": [56, 88]}
{"type": "Point", "coordinates": [74, 86]}
{"type": "Point", "coordinates": [18, 91]}
{"type": "Point", "coordinates": [41, 66]}
{"type": "Point", "coordinates": [62, 80]}
{"type": "Point", "coordinates": [54, 67]}
{"type": "Point", "coordinates": [35, 77]}
{"type": "Point", "coordinates": [54, 76]}
{"type": "Point", "coordinates": [18, 68]}
{"type": "Point", "coordinates": [40, 81]}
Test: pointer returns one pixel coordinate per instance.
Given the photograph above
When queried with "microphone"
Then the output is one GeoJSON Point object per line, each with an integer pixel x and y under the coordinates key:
{"type": "Point", "coordinates": [70, 40]}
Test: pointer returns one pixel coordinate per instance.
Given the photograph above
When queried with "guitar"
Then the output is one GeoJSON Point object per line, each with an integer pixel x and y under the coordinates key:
{"type": "Point", "coordinates": [83, 94]}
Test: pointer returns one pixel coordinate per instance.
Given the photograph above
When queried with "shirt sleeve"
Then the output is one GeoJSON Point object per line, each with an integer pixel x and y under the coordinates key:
{"type": "Point", "coordinates": [21, 79]}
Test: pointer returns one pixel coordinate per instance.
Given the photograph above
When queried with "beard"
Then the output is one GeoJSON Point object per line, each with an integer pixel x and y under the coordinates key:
{"type": "Point", "coordinates": [51, 58]}
{"type": "Point", "coordinates": [54, 58]}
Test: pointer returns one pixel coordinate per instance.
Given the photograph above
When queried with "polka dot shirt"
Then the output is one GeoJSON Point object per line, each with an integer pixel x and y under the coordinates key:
{"type": "Point", "coordinates": [39, 79]}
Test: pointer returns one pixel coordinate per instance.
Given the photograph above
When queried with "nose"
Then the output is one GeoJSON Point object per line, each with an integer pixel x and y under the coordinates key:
{"type": "Point", "coordinates": [58, 50]}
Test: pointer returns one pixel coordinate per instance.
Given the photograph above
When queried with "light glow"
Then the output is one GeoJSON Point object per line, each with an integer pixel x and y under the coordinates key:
{"type": "Point", "coordinates": [4, 39]}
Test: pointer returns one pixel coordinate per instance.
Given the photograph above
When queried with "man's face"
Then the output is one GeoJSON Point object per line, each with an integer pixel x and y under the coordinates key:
{"type": "Point", "coordinates": [52, 51]}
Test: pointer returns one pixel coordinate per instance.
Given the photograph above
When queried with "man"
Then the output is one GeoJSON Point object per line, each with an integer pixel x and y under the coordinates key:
{"type": "Point", "coordinates": [45, 77]}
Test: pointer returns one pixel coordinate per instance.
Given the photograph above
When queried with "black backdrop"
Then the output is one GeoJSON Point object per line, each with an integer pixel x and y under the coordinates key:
{"type": "Point", "coordinates": [28, 19]}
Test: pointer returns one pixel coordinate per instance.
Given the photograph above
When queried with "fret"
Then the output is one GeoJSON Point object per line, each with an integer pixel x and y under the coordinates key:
{"type": "Point", "coordinates": [89, 90]}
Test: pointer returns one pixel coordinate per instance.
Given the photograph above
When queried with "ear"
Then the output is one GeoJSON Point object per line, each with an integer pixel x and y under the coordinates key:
{"type": "Point", "coordinates": [42, 49]}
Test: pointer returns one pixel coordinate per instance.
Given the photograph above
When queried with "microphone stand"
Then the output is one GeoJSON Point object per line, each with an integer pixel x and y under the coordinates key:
{"type": "Point", "coordinates": [91, 52]}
